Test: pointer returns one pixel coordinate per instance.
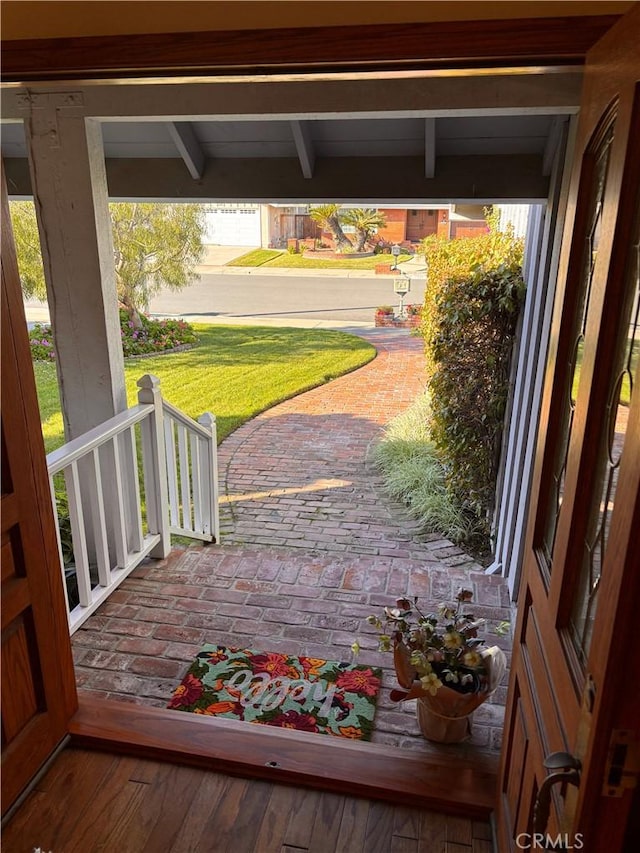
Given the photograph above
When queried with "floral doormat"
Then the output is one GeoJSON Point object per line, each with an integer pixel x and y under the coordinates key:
{"type": "Point", "coordinates": [274, 689]}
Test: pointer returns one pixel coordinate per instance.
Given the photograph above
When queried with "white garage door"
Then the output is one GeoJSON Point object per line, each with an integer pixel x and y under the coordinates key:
{"type": "Point", "coordinates": [233, 226]}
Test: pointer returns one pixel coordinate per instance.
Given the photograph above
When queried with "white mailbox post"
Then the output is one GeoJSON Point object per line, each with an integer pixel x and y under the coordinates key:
{"type": "Point", "coordinates": [401, 286]}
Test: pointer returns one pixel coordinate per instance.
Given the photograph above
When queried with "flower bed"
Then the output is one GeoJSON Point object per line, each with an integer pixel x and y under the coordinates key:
{"type": "Point", "coordinates": [154, 336]}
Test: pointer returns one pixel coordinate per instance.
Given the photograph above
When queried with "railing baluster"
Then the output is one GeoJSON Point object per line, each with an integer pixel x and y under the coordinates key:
{"type": "Point", "coordinates": [119, 521]}
{"type": "Point", "coordinates": [210, 475]}
{"type": "Point", "coordinates": [172, 471]}
{"type": "Point", "coordinates": [185, 483]}
{"type": "Point", "coordinates": [154, 464]}
{"type": "Point", "coordinates": [99, 522]}
{"type": "Point", "coordinates": [196, 488]}
{"type": "Point", "coordinates": [54, 502]}
{"type": "Point", "coordinates": [130, 476]}
{"type": "Point", "coordinates": [78, 533]}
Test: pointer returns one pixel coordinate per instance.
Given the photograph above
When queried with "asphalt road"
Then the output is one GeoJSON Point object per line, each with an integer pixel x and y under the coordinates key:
{"type": "Point", "coordinates": [287, 297]}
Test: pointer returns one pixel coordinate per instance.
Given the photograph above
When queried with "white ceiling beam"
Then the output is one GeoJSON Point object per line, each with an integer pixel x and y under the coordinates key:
{"type": "Point", "coordinates": [551, 145]}
{"type": "Point", "coordinates": [187, 144]}
{"type": "Point", "coordinates": [304, 146]}
{"type": "Point", "coordinates": [494, 94]}
{"type": "Point", "coordinates": [429, 147]}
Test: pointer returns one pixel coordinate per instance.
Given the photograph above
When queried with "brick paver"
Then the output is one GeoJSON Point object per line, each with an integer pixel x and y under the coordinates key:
{"type": "Point", "coordinates": [311, 547]}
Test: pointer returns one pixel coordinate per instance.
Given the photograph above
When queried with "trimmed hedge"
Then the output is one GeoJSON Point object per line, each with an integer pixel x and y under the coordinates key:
{"type": "Point", "coordinates": [474, 295]}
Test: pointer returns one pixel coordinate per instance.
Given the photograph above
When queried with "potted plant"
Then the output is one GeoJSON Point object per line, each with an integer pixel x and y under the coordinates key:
{"type": "Point", "coordinates": [439, 661]}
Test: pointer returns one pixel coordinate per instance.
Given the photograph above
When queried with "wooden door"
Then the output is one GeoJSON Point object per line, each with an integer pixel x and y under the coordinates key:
{"type": "Point", "coordinates": [38, 684]}
{"type": "Point", "coordinates": [575, 680]}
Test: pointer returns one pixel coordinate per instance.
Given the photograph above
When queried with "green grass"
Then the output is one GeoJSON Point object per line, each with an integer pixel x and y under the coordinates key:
{"type": "Point", "coordinates": [414, 474]}
{"type": "Point", "coordinates": [283, 260]}
{"type": "Point", "coordinates": [255, 258]}
{"type": "Point", "coordinates": [235, 372]}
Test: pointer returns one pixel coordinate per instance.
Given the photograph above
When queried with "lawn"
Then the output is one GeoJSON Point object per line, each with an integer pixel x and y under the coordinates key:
{"type": "Point", "coordinates": [284, 260]}
{"type": "Point", "coordinates": [235, 372]}
{"type": "Point", "coordinates": [255, 258]}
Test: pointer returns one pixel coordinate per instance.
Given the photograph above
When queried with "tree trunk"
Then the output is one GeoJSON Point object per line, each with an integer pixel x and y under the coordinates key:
{"type": "Point", "coordinates": [342, 241]}
{"type": "Point", "coordinates": [362, 239]}
{"type": "Point", "coordinates": [132, 311]}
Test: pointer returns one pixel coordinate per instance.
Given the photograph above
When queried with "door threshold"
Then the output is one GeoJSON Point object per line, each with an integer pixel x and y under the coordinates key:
{"type": "Point", "coordinates": [450, 784]}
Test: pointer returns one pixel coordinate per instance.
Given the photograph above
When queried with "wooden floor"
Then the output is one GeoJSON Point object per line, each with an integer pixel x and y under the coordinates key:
{"type": "Point", "coordinates": [93, 801]}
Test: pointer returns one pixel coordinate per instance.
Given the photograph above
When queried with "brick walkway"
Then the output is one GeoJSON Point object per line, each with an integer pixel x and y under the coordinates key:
{"type": "Point", "coordinates": [311, 547]}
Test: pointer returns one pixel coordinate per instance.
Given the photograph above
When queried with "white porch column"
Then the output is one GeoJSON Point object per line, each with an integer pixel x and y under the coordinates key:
{"type": "Point", "coordinates": [69, 184]}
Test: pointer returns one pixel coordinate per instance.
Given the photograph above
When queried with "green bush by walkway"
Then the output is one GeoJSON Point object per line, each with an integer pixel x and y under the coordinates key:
{"type": "Point", "coordinates": [469, 324]}
{"type": "Point", "coordinates": [235, 372]}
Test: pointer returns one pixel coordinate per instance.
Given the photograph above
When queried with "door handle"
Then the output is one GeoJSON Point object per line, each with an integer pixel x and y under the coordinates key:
{"type": "Point", "coordinates": [565, 769]}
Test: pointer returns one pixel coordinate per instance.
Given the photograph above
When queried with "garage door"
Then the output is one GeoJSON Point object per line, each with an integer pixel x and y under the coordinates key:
{"type": "Point", "coordinates": [233, 226]}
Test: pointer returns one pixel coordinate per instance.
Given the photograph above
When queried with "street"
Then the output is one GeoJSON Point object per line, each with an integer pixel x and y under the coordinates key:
{"type": "Point", "coordinates": [288, 297]}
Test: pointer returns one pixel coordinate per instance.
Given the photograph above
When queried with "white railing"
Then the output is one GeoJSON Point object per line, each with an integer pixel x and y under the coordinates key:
{"type": "Point", "coordinates": [192, 473]}
{"type": "Point", "coordinates": [108, 528]}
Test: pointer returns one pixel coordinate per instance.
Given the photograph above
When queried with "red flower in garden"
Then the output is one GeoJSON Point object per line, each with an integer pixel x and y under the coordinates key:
{"type": "Point", "coordinates": [359, 681]}
{"type": "Point", "coordinates": [295, 720]}
{"type": "Point", "coordinates": [186, 693]}
{"type": "Point", "coordinates": [273, 664]}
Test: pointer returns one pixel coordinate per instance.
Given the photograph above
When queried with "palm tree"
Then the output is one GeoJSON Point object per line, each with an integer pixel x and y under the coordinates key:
{"type": "Point", "coordinates": [328, 217]}
{"type": "Point", "coordinates": [365, 220]}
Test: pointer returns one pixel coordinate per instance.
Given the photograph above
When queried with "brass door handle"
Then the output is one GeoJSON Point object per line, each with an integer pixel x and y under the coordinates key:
{"type": "Point", "coordinates": [565, 769]}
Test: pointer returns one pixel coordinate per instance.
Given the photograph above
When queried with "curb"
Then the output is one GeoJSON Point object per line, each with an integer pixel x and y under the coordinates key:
{"type": "Point", "coordinates": [285, 271]}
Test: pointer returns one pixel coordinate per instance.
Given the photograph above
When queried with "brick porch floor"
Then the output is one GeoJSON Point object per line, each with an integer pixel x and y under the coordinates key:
{"type": "Point", "coordinates": [311, 546]}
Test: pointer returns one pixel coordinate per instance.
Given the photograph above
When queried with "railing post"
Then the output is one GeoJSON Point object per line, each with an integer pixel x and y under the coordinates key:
{"type": "Point", "coordinates": [154, 464]}
{"type": "Point", "coordinates": [208, 420]}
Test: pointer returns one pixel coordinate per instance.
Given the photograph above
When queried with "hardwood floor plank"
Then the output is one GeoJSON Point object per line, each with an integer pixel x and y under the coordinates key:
{"type": "Point", "coordinates": [45, 818]}
{"type": "Point", "coordinates": [433, 833]}
{"type": "Point", "coordinates": [211, 789]}
{"type": "Point", "coordinates": [480, 829]}
{"type": "Point", "coordinates": [453, 847]}
{"type": "Point", "coordinates": [481, 845]}
{"type": "Point", "coordinates": [459, 830]}
{"type": "Point", "coordinates": [399, 844]}
{"type": "Point", "coordinates": [112, 832]}
{"type": "Point", "coordinates": [326, 827]}
{"type": "Point", "coordinates": [276, 819]}
{"type": "Point", "coordinates": [168, 802]}
{"type": "Point", "coordinates": [105, 808]}
{"type": "Point", "coordinates": [353, 826]}
{"type": "Point", "coordinates": [148, 771]}
{"type": "Point", "coordinates": [406, 822]}
{"type": "Point", "coordinates": [298, 833]}
{"type": "Point", "coordinates": [235, 823]}
{"type": "Point", "coordinates": [379, 828]}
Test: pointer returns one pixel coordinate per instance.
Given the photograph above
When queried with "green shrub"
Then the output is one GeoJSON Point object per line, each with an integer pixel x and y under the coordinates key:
{"type": "Point", "coordinates": [474, 294]}
{"type": "Point", "coordinates": [41, 341]}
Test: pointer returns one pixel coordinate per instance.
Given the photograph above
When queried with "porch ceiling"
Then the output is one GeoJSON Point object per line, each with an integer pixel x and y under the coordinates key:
{"type": "Point", "coordinates": [315, 160]}
{"type": "Point", "coordinates": [419, 137]}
